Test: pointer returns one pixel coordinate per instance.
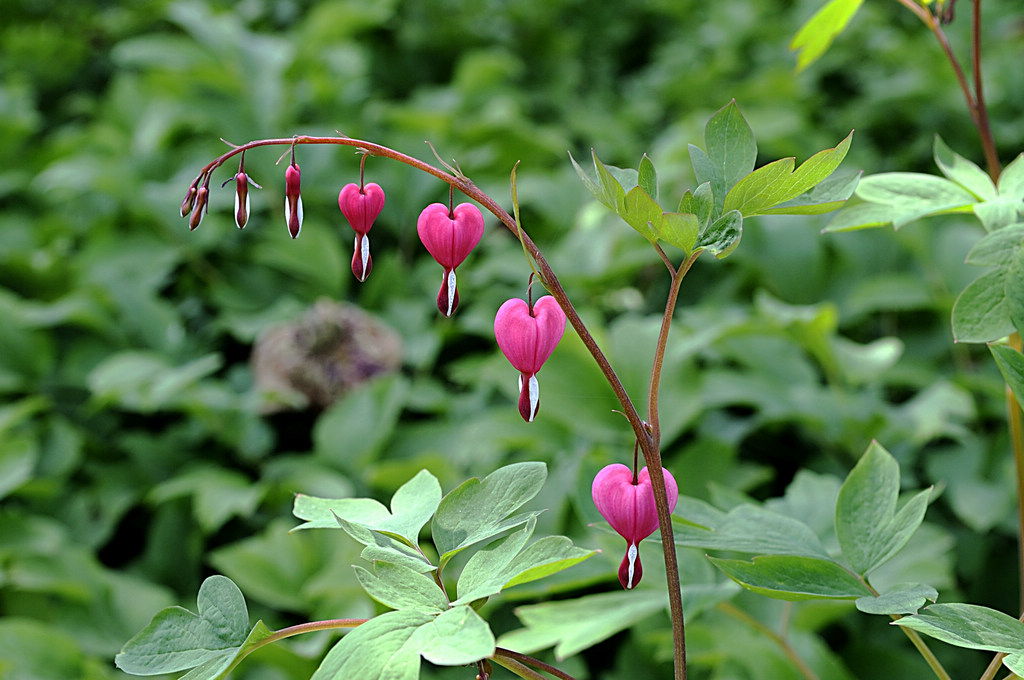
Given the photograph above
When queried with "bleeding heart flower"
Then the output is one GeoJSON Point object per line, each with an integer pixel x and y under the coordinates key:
{"type": "Point", "coordinates": [628, 506]}
{"type": "Point", "coordinates": [292, 199]}
{"type": "Point", "coordinates": [242, 182]}
{"type": "Point", "coordinates": [527, 337]}
{"type": "Point", "coordinates": [360, 206]}
{"type": "Point", "coordinates": [449, 236]}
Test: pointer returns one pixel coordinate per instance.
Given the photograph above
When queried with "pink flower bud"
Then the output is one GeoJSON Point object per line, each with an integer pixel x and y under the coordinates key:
{"type": "Point", "coordinates": [629, 507]}
{"type": "Point", "coordinates": [190, 197]}
{"type": "Point", "coordinates": [292, 200]}
{"type": "Point", "coordinates": [361, 207]}
{"type": "Point", "coordinates": [449, 237]}
{"type": "Point", "coordinates": [527, 337]}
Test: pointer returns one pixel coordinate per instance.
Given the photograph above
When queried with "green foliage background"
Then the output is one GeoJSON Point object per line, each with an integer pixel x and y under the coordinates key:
{"type": "Point", "coordinates": [134, 461]}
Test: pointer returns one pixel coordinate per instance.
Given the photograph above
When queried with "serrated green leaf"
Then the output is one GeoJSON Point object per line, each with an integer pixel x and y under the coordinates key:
{"type": "Point", "coordinates": [829, 195]}
{"type": "Point", "coordinates": [641, 212]}
{"type": "Point", "coordinates": [478, 510]}
{"type": "Point", "coordinates": [869, 529]}
{"type": "Point", "coordinates": [647, 177]}
{"type": "Point", "coordinates": [970, 626]}
{"type": "Point", "coordinates": [786, 577]}
{"type": "Point", "coordinates": [507, 562]}
{"type": "Point", "coordinates": [998, 248]}
{"type": "Point", "coordinates": [1011, 181]}
{"type": "Point", "coordinates": [778, 182]}
{"type": "Point", "coordinates": [963, 172]}
{"type": "Point", "coordinates": [980, 312]}
{"type": "Point", "coordinates": [399, 587]}
{"type": "Point", "coordinates": [575, 625]}
{"type": "Point", "coordinates": [699, 202]}
{"type": "Point", "coordinates": [177, 639]}
{"type": "Point", "coordinates": [679, 230]}
{"type": "Point", "coordinates": [752, 529]}
{"type": "Point", "coordinates": [817, 34]}
{"type": "Point", "coordinates": [722, 237]}
{"type": "Point", "coordinates": [905, 598]}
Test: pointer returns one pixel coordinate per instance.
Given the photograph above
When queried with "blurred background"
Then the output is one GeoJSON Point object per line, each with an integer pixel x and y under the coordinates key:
{"type": "Point", "coordinates": [142, 448]}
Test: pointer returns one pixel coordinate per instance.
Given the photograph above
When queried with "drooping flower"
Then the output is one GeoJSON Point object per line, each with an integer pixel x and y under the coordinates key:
{"type": "Point", "coordinates": [449, 236]}
{"type": "Point", "coordinates": [527, 336]}
{"type": "Point", "coordinates": [292, 198]}
{"type": "Point", "coordinates": [202, 199]}
{"type": "Point", "coordinates": [361, 206]}
{"type": "Point", "coordinates": [628, 505]}
{"type": "Point", "coordinates": [242, 182]}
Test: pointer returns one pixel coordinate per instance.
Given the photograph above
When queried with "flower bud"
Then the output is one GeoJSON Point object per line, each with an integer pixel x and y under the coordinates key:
{"type": "Point", "coordinates": [292, 200]}
{"type": "Point", "coordinates": [201, 207]}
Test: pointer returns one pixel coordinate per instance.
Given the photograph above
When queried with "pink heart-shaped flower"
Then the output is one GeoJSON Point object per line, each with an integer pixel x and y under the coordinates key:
{"type": "Point", "coordinates": [527, 337]}
{"type": "Point", "coordinates": [449, 237]}
{"type": "Point", "coordinates": [630, 510]}
{"type": "Point", "coordinates": [361, 207]}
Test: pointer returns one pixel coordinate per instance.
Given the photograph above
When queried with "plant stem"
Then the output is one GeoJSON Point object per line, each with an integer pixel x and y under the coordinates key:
{"type": "Point", "coordinates": [522, 670]}
{"type": "Point", "coordinates": [649, 447]}
{"type": "Point", "coordinates": [537, 663]}
{"type": "Point", "coordinates": [1013, 414]}
{"type": "Point", "coordinates": [927, 653]}
{"type": "Point", "coordinates": [659, 352]}
{"type": "Point", "coordinates": [787, 649]}
{"type": "Point", "coordinates": [311, 627]}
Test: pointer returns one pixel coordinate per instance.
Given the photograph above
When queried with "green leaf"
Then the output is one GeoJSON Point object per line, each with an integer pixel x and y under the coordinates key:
{"type": "Point", "coordinates": [506, 563]}
{"type": "Point", "coordinates": [679, 230]}
{"type": "Point", "coordinates": [752, 529]}
{"type": "Point", "coordinates": [641, 212]}
{"type": "Point", "coordinates": [1015, 663]}
{"type": "Point", "coordinates": [148, 381]}
{"type": "Point", "coordinates": [862, 216]}
{"type": "Point", "coordinates": [778, 182]}
{"type": "Point", "coordinates": [177, 639]}
{"type": "Point", "coordinates": [1011, 365]}
{"type": "Point", "coordinates": [647, 177]}
{"type": "Point", "coordinates": [381, 547]}
{"type": "Point", "coordinates": [412, 506]}
{"type": "Point", "coordinates": [817, 34]}
{"type": "Point", "coordinates": [998, 248]}
{"type": "Point", "coordinates": [722, 237]}
{"type": "Point", "coordinates": [389, 646]}
{"type": "Point", "coordinates": [399, 587]}
{"type": "Point", "coordinates": [593, 186]}
{"type": "Point", "coordinates": [1011, 181]}
{"type": "Point", "coordinates": [478, 510]}
{"type": "Point", "coordinates": [829, 195]}
{"type": "Point", "coordinates": [575, 625]}
{"type": "Point", "coordinates": [963, 172]}
{"type": "Point", "coordinates": [905, 598]}
{"type": "Point", "coordinates": [787, 577]}
{"type": "Point", "coordinates": [911, 195]}
{"type": "Point", "coordinates": [731, 151]}
{"type": "Point", "coordinates": [970, 626]}
{"type": "Point", "coordinates": [700, 203]}
{"type": "Point", "coordinates": [868, 526]}
{"type": "Point", "coordinates": [980, 312]}
{"type": "Point", "coordinates": [1013, 289]}
{"type": "Point", "coordinates": [997, 213]}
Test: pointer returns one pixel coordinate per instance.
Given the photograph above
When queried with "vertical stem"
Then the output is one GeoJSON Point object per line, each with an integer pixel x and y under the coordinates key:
{"type": "Point", "coordinates": [980, 111]}
{"type": "Point", "coordinates": [1013, 414]}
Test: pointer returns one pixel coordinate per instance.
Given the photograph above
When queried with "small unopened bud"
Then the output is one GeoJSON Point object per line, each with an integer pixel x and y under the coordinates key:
{"type": "Point", "coordinates": [242, 182]}
{"type": "Point", "coordinates": [201, 205]}
{"type": "Point", "coordinates": [292, 200]}
{"type": "Point", "coordinates": [190, 197]}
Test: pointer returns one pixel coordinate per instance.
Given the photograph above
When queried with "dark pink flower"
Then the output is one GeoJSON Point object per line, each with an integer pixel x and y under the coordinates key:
{"type": "Point", "coordinates": [361, 207]}
{"type": "Point", "coordinates": [628, 506]}
{"type": "Point", "coordinates": [449, 236]}
{"type": "Point", "coordinates": [527, 337]}
{"type": "Point", "coordinates": [292, 199]}
{"type": "Point", "coordinates": [242, 182]}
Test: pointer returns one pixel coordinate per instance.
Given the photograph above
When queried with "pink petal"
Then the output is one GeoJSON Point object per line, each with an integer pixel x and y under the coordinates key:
{"type": "Point", "coordinates": [527, 341]}
{"type": "Point", "coordinates": [361, 208]}
{"type": "Point", "coordinates": [630, 508]}
{"type": "Point", "coordinates": [449, 239]}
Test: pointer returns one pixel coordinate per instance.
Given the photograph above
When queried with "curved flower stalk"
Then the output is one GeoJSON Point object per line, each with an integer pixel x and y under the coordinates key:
{"type": "Point", "coordinates": [527, 335]}
{"type": "Point", "coordinates": [627, 502]}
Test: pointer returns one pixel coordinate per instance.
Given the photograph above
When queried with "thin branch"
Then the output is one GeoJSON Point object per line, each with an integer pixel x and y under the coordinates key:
{"type": "Point", "coordinates": [783, 644]}
{"type": "Point", "coordinates": [522, 670]}
{"type": "Point", "coordinates": [1016, 426]}
{"type": "Point", "coordinates": [536, 663]}
{"type": "Point", "coordinates": [980, 110]}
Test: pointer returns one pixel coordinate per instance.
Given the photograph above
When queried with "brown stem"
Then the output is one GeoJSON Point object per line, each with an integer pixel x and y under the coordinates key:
{"type": "Point", "coordinates": [531, 661]}
{"type": "Point", "coordinates": [652, 456]}
{"type": "Point", "coordinates": [520, 669]}
{"type": "Point", "coordinates": [659, 352]}
{"type": "Point", "coordinates": [980, 112]}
